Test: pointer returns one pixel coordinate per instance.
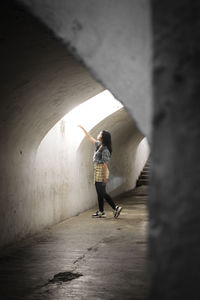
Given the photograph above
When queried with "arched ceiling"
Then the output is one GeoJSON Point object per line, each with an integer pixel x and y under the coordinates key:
{"type": "Point", "coordinates": [113, 39]}
{"type": "Point", "coordinates": [40, 80]}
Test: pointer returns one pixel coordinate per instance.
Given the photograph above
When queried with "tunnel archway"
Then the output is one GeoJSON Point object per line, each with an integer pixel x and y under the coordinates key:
{"type": "Point", "coordinates": [63, 166]}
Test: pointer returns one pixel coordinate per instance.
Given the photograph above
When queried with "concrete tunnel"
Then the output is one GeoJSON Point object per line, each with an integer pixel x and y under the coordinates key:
{"type": "Point", "coordinates": [146, 53]}
{"type": "Point", "coordinates": [41, 83]}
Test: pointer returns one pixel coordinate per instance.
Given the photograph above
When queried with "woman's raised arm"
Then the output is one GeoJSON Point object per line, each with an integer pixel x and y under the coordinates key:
{"type": "Point", "coordinates": [90, 138]}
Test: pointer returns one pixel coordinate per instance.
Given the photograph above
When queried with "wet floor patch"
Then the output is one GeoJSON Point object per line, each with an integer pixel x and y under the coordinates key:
{"type": "Point", "coordinates": [65, 277]}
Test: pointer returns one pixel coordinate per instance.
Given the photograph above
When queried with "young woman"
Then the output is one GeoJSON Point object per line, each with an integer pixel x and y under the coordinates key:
{"type": "Point", "coordinates": [103, 150]}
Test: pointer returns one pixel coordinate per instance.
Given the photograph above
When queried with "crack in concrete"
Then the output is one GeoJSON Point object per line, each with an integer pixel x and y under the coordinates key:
{"type": "Point", "coordinates": [79, 259]}
{"type": "Point", "coordinates": [94, 248]}
{"type": "Point", "coordinates": [82, 257]}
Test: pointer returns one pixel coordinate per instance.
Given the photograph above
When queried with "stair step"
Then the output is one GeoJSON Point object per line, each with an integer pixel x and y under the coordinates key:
{"type": "Point", "coordinates": [144, 177]}
{"type": "Point", "coordinates": [142, 182]}
{"type": "Point", "coordinates": [145, 173]}
{"type": "Point", "coordinates": [147, 168]}
{"type": "Point", "coordinates": [147, 165]}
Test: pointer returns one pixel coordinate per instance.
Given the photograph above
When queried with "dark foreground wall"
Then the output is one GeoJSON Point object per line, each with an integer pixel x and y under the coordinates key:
{"type": "Point", "coordinates": [174, 206]}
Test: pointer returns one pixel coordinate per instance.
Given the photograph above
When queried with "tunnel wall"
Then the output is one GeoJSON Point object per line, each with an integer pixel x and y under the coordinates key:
{"type": "Point", "coordinates": [40, 83]}
{"type": "Point", "coordinates": [174, 205]}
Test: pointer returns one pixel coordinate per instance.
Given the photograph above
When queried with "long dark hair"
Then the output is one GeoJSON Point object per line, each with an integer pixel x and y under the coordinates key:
{"type": "Point", "coordinates": [106, 140]}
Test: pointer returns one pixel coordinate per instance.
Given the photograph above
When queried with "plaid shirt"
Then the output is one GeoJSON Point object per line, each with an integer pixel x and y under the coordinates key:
{"type": "Point", "coordinates": [101, 156]}
{"type": "Point", "coordinates": [99, 173]}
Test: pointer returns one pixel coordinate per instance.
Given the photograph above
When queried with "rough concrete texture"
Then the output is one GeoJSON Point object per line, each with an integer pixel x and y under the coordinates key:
{"type": "Point", "coordinates": [40, 82]}
{"type": "Point", "coordinates": [174, 192]}
{"type": "Point", "coordinates": [113, 39]}
{"type": "Point", "coordinates": [82, 258]}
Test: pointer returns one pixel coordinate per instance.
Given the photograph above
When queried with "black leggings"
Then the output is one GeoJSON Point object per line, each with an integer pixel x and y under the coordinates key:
{"type": "Point", "coordinates": [101, 193]}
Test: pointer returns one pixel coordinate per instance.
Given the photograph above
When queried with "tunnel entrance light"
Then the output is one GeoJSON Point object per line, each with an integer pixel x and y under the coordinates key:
{"type": "Point", "coordinates": [89, 114]}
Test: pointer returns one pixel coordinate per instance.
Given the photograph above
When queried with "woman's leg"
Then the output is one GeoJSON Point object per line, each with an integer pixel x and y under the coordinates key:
{"type": "Point", "coordinates": [107, 197]}
{"type": "Point", "coordinates": [100, 196]}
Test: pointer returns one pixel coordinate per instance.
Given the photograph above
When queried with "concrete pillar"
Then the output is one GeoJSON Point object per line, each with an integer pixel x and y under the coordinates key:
{"type": "Point", "coordinates": [174, 207]}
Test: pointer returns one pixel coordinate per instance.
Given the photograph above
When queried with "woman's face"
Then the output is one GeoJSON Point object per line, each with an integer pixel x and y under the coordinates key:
{"type": "Point", "coordinates": [99, 136]}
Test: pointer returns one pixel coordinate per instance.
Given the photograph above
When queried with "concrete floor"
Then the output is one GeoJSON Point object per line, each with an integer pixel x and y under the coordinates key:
{"type": "Point", "coordinates": [109, 254]}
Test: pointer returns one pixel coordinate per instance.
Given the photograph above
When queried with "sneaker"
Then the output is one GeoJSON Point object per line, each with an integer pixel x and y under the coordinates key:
{"type": "Point", "coordinates": [117, 211]}
{"type": "Point", "coordinates": [99, 214]}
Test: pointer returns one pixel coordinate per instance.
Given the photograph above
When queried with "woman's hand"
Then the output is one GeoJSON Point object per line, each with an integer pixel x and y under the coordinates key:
{"type": "Point", "coordinates": [106, 180]}
{"type": "Point", "coordinates": [91, 139]}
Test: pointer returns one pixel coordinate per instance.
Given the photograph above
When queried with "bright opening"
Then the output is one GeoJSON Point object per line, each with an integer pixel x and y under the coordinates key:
{"type": "Point", "coordinates": [88, 114]}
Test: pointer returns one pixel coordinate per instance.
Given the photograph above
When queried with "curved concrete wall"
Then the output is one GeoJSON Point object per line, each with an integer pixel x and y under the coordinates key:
{"type": "Point", "coordinates": [41, 82]}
